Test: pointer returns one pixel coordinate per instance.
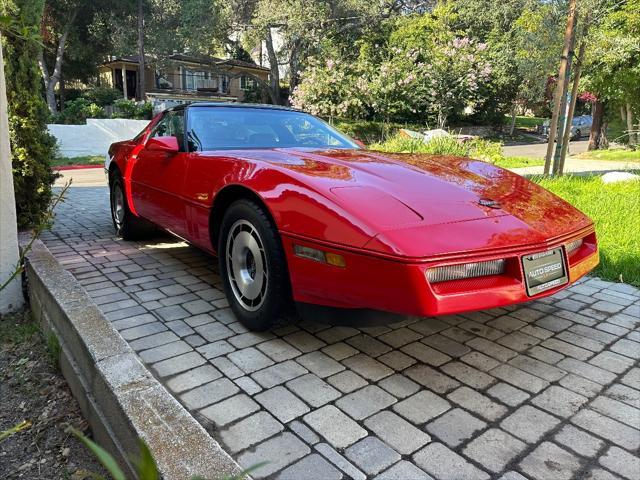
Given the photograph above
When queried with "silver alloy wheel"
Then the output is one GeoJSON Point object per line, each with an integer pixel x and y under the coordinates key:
{"type": "Point", "coordinates": [247, 265]}
{"type": "Point", "coordinates": [117, 205]}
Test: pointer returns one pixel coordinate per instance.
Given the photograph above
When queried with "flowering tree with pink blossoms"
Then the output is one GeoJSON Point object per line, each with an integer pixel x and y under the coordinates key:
{"type": "Point", "coordinates": [424, 70]}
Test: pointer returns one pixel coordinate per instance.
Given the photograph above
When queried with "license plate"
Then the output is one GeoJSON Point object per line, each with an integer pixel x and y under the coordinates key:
{"type": "Point", "coordinates": [544, 270]}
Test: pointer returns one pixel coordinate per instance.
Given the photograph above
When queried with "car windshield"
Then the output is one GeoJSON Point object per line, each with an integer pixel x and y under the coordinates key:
{"type": "Point", "coordinates": [216, 128]}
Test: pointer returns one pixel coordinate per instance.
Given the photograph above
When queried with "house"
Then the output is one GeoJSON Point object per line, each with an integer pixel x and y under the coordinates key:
{"type": "Point", "coordinates": [181, 78]}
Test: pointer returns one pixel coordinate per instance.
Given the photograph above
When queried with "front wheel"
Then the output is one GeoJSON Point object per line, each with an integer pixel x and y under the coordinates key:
{"type": "Point", "coordinates": [253, 266]}
{"type": "Point", "coordinates": [127, 225]}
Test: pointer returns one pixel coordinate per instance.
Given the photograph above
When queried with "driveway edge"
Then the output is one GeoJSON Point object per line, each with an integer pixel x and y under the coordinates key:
{"type": "Point", "coordinates": [119, 397]}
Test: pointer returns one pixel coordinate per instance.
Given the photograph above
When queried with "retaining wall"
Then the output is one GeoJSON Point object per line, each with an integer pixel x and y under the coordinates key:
{"type": "Point", "coordinates": [121, 400]}
{"type": "Point", "coordinates": [95, 137]}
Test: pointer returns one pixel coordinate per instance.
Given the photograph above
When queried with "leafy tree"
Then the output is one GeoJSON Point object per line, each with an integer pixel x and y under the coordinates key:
{"type": "Point", "coordinates": [612, 68]}
{"type": "Point", "coordinates": [421, 69]}
{"type": "Point", "coordinates": [31, 145]}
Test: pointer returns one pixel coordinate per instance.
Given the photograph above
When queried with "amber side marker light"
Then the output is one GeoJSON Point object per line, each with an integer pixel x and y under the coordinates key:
{"type": "Point", "coordinates": [319, 256]}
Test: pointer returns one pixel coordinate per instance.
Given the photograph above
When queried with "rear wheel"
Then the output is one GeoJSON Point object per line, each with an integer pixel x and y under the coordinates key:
{"type": "Point", "coordinates": [253, 266]}
{"type": "Point", "coordinates": [127, 225]}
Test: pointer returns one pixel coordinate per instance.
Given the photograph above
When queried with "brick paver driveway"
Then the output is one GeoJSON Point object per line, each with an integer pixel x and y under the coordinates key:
{"type": "Point", "coordinates": [547, 390]}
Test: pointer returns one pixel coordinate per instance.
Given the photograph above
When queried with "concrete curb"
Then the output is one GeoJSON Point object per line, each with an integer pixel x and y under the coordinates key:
{"type": "Point", "coordinates": [119, 397]}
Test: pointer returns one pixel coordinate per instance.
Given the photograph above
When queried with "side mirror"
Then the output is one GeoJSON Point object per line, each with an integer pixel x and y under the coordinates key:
{"type": "Point", "coordinates": [360, 143]}
{"type": "Point", "coordinates": [163, 144]}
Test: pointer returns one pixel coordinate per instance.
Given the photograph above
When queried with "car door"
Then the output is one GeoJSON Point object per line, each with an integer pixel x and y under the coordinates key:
{"type": "Point", "coordinates": [157, 178]}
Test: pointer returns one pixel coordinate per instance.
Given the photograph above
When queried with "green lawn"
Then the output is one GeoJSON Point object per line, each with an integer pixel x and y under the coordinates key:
{"type": "Point", "coordinates": [85, 160]}
{"type": "Point", "coordinates": [517, 162]}
{"type": "Point", "coordinates": [618, 154]}
{"type": "Point", "coordinates": [614, 209]}
{"type": "Point", "coordinates": [526, 122]}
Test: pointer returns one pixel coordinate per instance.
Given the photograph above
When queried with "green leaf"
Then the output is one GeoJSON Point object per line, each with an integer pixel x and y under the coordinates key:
{"type": "Point", "coordinates": [21, 426]}
{"type": "Point", "coordinates": [101, 454]}
{"type": "Point", "coordinates": [146, 465]}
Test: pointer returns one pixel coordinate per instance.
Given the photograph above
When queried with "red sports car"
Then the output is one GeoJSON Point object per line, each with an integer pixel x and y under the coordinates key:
{"type": "Point", "coordinates": [298, 212]}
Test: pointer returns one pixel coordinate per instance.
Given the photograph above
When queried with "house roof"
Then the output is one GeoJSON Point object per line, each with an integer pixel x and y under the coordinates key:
{"type": "Point", "coordinates": [191, 58]}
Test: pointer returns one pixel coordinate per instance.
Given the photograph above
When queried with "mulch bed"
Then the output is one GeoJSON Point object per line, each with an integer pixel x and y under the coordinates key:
{"type": "Point", "coordinates": [33, 389]}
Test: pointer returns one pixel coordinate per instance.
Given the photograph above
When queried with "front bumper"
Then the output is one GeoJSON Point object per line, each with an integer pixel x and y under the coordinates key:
{"type": "Point", "coordinates": [401, 287]}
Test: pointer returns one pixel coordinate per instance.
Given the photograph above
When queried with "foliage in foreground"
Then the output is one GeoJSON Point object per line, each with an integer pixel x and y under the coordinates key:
{"type": "Point", "coordinates": [146, 468]}
{"type": "Point", "coordinates": [31, 145]}
{"type": "Point", "coordinates": [614, 210]}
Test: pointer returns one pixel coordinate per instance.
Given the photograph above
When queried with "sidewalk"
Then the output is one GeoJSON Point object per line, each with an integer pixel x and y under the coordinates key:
{"type": "Point", "coordinates": [578, 165]}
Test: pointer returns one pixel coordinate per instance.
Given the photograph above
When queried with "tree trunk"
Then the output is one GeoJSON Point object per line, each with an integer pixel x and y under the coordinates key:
{"type": "Point", "coordinates": [11, 298]}
{"type": "Point", "coordinates": [559, 104]}
{"type": "Point", "coordinates": [50, 81]}
{"type": "Point", "coordinates": [294, 78]}
{"type": "Point", "coordinates": [141, 93]}
{"type": "Point", "coordinates": [63, 93]}
{"type": "Point", "coordinates": [597, 113]}
{"type": "Point", "coordinates": [623, 113]}
{"type": "Point", "coordinates": [630, 131]}
{"type": "Point", "coordinates": [273, 65]}
{"type": "Point", "coordinates": [512, 128]}
{"type": "Point", "coordinates": [559, 168]}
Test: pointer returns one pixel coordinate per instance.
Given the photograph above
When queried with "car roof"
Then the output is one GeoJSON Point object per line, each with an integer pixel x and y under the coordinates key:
{"type": "Point", "coordinates": [261, 106]}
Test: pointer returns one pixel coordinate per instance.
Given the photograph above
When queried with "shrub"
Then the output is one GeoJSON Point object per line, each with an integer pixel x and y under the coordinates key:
{"type": "Point", "coordinates": [77, 111]}
{"type": "Point", "coordinates": [486, 150]}
{"type": "Point", "coordinates": [369, 131]}
{"type": "Point", "coordinates": [31, 145]}
{"type": "Point", "coordinates": [130, 109]}
{"type": "Point", "coordinates": [102, 96]}
{"type": "Point", "coordinates": [480, 149]}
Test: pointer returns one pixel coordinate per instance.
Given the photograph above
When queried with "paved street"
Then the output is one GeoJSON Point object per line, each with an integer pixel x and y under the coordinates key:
{"type": "Point", "coordinates": [539, 149]}
{"type": "Point", "coordinates": [549, 390]}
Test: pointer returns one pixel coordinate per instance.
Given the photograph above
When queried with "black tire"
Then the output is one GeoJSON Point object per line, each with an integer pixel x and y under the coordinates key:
{"type": "Point", "coordinates": [253, 266]}
{"type": "Point", "coordinates": [128, 226]}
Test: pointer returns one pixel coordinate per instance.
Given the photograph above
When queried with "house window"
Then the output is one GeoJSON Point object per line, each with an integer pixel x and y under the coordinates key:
{"type": "Point", "coordinates": [197, 79]}
{"type": "Point", "coordinates": [224, 83]}
{"type": "Point", "coordinates": [247, 83]}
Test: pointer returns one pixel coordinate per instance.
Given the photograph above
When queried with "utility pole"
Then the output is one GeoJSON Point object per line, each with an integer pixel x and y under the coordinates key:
{"type": "Point", "coordinates": [558, 167]}
{"type": "Point", "coordinates": [141, 64]}
{"type": "Point", "coordinates": [560, 100]}
{"type": "Point", "coordinates": [11, 298]}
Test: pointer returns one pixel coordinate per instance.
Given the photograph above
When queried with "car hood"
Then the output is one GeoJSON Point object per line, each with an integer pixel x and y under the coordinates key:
{"type": "Point", "coordinates": [401, 195]}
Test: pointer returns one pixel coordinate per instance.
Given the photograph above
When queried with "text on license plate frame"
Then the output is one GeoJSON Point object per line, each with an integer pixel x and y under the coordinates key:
{"type": "Point", "coordinates": [544, 270]}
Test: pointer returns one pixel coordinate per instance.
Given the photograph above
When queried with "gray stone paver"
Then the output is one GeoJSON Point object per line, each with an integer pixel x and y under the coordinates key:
{"type": "Point", "coordinates": [282, 404]}
{"type": "Point", "coordinates": [550, 389]}
{"type": "Point", "coordinates": [397, 432]}
{"type": "Point", "coordinates": [230, 410]}
{"type": "Point", "coordinates": [339, 430]}
{"type": "Point", "coordinates": [444, 464]}
{"type": "Point", "coordinates": [372, 455]}
{"type": "Point", "coordinates": [550, 461]}
{"type": "Point", "coordinates": [276, 453]}
{"type": "Point", "coordinates": [455, 427]}
{"type": "Point", "coordinates": [529, 423]}
{"type": "Point", "coordinates": [494, 449]}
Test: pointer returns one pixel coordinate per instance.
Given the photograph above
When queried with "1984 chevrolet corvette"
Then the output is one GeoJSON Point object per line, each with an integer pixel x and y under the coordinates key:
{"type": "Point", "coordinates": [297, 212]}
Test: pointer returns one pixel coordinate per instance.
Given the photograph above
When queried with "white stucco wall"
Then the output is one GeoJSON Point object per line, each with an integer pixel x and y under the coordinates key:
{"type": "Point", "coordinates": [95, 137]}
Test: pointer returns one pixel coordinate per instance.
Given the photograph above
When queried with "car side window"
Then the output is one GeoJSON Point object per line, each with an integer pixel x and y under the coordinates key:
{"type": "Point", "coordinates": [171, 125]}
{"type": "Point", "coordinates": [161, 128]}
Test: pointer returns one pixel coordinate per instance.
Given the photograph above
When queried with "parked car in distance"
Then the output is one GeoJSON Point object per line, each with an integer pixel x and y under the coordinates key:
{"type": "Point", "coordinates": [299, 214]}
{"type": "Point", "coordinates": [580, 126]}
